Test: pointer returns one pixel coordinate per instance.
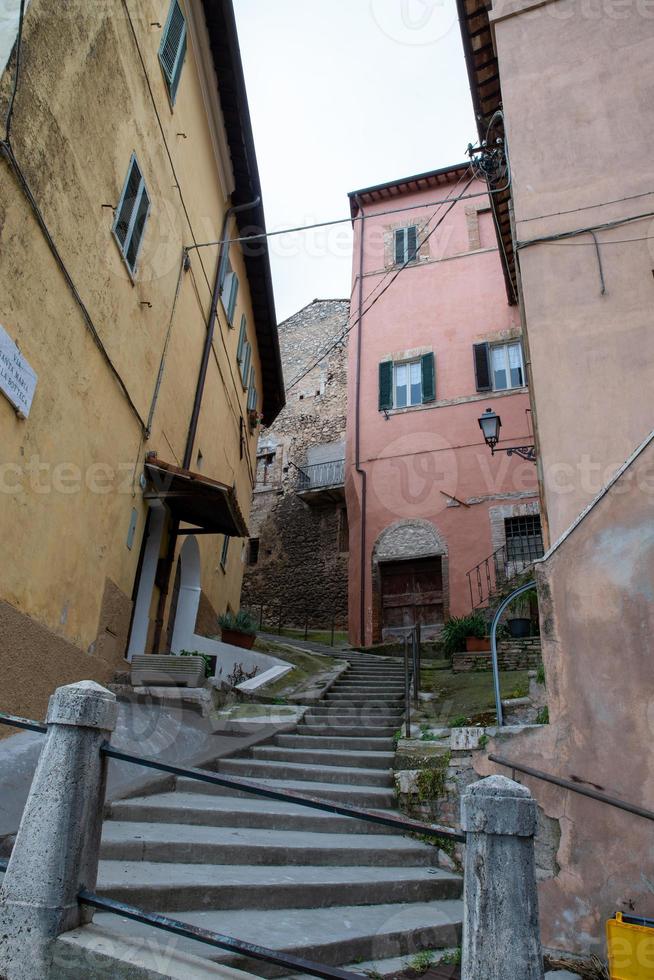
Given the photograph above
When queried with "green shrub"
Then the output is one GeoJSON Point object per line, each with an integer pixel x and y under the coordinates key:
{"type": "Point", "coordinates": [242, 622]}
{"type": "Point", "coordinates": [543, 716]}
{"type": "Point", "coordinates": [205, 657]}
{"type": "Point", "coordinates": [458, 628]}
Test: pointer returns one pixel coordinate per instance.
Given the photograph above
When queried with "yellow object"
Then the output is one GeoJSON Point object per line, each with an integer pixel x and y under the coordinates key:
{"type": "Point", "coordinates": [631, 950]}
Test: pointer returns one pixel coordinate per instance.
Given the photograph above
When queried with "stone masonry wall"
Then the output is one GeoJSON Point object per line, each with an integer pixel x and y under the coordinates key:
{"type": "Point", "coordinates": [301, 567]}
{"type": "Point", "coordinates": [511, 655]}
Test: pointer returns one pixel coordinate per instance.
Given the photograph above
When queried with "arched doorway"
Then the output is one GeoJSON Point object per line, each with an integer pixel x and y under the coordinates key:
{"type": "Point", "coordinates": [184, 611]}
{"type": "Point", "coordinates": [409, 577]}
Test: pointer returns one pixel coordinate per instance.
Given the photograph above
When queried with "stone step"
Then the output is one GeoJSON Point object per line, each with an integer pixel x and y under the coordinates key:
{"type": "Point", "coordinates": [374, 797]}
{"type": "Point", "coordinates": [183, 844]}
{"type": "Point", "coordinates": [211, 810]}
{"type": "Point", "coordinates": [256, 769]}
{"type": "Point", "coordinates": [357, 717]}
{"type": "Point", "coordinates": [347, 685]}
{"type": "Point", "coordinates": [357, 707]}
{"type": "Point", "coordinates": [358, 701]}
{"type": "Point", "coordinates": [325, 727]}
{"type": "Point", "coordinates": [184, 887]}
{"type": "Point", "coordinates": [333, 742]}
{"type": "Point", "coordinates": [329, 757]}
{"type": "Point", "coordinates": [332, 935]}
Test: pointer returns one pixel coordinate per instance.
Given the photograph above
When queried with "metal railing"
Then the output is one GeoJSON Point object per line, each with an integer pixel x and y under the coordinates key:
{"type": "Point", "coordinates": [185, 930]}
{"type": "Point", "coordinates": [314, 476]}
{"type": "Point", "coordinates": [412, 662]}
{"type": "Point", "coordinates": [581, 790]}
{"type": "Point", "coordinates": [490, 576]}
{"type": "Point", "coordinates": [275, 617]}
{"type": "Point", "coordinates": [521, 590]}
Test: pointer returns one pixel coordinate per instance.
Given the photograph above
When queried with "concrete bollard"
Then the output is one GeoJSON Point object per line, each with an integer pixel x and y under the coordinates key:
{"type": "Point", "coordinates": [58, 843]}
{"type": "Point", "coordinates": [501, 934]}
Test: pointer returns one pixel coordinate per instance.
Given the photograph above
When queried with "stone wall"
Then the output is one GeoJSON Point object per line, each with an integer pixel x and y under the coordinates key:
{"type": "Point", "coordinates": [511, 654]}
{"type": "Point", "coordinates": [301, 567]}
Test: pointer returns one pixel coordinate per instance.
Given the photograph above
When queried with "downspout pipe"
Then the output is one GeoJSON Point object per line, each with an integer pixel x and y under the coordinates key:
{"type": "Point", "coordinates": [357, 434]}
{"type": "Point", "coordinates": [163, 579]}
{"type": "Point", "coordinates": [217, 292]}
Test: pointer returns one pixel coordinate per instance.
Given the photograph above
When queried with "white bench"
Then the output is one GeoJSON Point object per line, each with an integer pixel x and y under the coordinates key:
{"type": "Point", "coordinates": [149, 669]}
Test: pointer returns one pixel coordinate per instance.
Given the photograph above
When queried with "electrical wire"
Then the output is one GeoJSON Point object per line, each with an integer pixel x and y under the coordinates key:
{"type": "Point", "coordinates": [587, 207]}
{"type": "Point", "coordinates": [604, 226]}
{"type": "Point", "coordinates": [18, 46]}
{"type": "Point", "coordinates": [614, 241]}
{"type": "Point", "coordinates": [397, 272]}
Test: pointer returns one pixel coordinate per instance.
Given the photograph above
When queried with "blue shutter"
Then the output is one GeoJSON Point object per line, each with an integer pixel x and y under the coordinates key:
{"type": "Point", "coordinates": [252, 392]}
{"type": "Point", "coordinates": [245, 366]}
{"type": "Point", "coordinates": [131, 215]}
{"type": "Point", "coordinates": [233, 294]}
{"type": "Point", "coordinates": [385, 386]}
{"type": "Point", "coordinates": [173, 48]}
{"type": "Point", "coordinates": [241, 340]}
{"type": "Point", "coordinates": [428, 364]}
{"type": "Point", "coordinates": [412, 244]}
{"type": "Point", "coordinates": [400, 246]}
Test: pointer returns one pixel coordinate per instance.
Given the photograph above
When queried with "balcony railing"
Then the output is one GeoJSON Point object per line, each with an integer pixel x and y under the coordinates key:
{"type": "Point", "coordinates": [488, 578]}
{"type": "Point", "coordinates": [314, 476]}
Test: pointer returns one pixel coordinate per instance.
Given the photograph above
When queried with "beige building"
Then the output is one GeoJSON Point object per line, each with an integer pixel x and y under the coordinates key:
{"type": "Point", "coordinates": [149, 357]}
{"type": "Point", "coordinates": [567, 86]}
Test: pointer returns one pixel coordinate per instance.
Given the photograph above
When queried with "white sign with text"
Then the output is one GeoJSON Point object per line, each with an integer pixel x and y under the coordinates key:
{"type": "Point", "coordinates": [17, 377]}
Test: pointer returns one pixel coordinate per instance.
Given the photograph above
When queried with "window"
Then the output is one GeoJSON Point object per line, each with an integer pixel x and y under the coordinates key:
{"type": "Point", "coordinates": [506, 366]}
{"type": "Point", "coordinates": [524, 538]}
{"type": "Point", "coordinates": [245, 363]}
{"type": "Point", "coordinates": [499, 367]}
{"type": "Point", "coordinates": [131, 215]}
{"type": "Point", "coordinates": [229, 293]}
{"type": "Point", "coordinates": [224, 553]}
{"type": "Point", "coordinates": [265, 463]}
{"type": "Point", "coordinates": [253, 551]}
{"type": "Point", "coordinates": [406, 245]}
{"type": "Point", "coordinates": [244, 352]}
{"type": "Point", "coordinates": [172, 49]}
{"type": "Point", "coordinates": [252, 392]}
{"type": "Point", "coordinates": [403, 384]}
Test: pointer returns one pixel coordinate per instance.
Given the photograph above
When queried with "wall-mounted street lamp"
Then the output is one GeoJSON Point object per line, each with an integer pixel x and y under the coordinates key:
{"type": "Point", "coordinates": [490, 424]}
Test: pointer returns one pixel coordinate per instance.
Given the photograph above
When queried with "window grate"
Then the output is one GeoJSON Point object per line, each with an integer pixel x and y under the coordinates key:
{"type": "Point", "coordinates": [524, 537]}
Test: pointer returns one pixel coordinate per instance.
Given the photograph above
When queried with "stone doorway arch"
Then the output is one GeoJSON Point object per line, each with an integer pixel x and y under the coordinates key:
{"type": "Point", "coordinates": [414, 542]}
{"type": "Point", "coordinates": [185, 610]}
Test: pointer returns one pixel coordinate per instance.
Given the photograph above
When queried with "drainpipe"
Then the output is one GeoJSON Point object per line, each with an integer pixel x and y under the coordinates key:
{"type": "Point", "coordinates": [163, 579]}
{"type": "Point", "coordinates": [357, 436]}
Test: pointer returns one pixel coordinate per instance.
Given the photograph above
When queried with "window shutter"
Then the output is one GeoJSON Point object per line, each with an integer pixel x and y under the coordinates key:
{"type": "Point", "coordinates": [385, 386]}
{"type": "Point", "coordinates": [173, 48]}
{"type": "Point", "coordinates": [252, 391]}
{"type": "Point", "coordinates": [482, 367]}
{"type": "Point", "coordinates": [245, 367]}
{"type": "Point", "coordinates": [127, 203]}
{"type": "Point", "coordinates": [131, 215]}
{"type": "Point", "coordinates": [138, 229]}
{"type": "Point", "coordinates": [233, 294]}
{"type": "Point", "coordinates": [399, 246]}
{"type": "Point", "coordinates": [428, 378]}
{"type": "Point", "coordinates": [412, 243]}
{"type": "Point", "coordinates": [241, 339]}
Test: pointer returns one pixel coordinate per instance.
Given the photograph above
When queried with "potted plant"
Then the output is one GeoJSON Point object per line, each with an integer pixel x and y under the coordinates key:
{"type": "Point", "coordinates": [467, 633]}
{"type": "Point", "coordinates": [519, 623]}
{"type": "Point", "coordinates": [238, 629]}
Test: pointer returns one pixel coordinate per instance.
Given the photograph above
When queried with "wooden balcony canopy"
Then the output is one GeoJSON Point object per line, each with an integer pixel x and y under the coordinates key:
{"type": "Point", "coordinates": [193, 498]}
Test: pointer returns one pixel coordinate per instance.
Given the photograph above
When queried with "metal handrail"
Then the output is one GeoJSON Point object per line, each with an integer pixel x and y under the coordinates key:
{"type": "Point", "coordinates": [592, 794]}
{"type": "Point", "coordinates": [493, 638]}
{"type": "Point", "coordinates": [497, 570]}
{"type": "Point", "coordinates": [314, 476]}
{"type": "Point", "coordinates": [242, 785]}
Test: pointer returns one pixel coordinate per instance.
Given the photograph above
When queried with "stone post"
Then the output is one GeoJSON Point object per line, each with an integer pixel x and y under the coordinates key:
{"type": "Point", "coordinates": [501, 934]}
{"type": "Point", "coordinates": [57, 847]}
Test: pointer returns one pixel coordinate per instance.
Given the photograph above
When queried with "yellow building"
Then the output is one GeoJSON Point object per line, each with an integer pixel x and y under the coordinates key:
{"type": "Point", "coordinates": [135, 360]}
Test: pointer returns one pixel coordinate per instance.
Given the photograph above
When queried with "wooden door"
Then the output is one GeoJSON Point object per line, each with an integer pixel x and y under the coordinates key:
{"type": "Point", "coordinates": [412, 593]}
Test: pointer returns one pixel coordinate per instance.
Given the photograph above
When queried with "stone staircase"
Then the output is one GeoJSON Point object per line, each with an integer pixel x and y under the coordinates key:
{"type": "Point", "coordinates": [324, 887]}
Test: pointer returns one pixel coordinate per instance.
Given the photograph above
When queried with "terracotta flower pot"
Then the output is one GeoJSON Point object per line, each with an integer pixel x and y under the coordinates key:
{"type": "Point", "coordinates": [476, 644]}
{"type": "Point", "coordinates": [237, 639]}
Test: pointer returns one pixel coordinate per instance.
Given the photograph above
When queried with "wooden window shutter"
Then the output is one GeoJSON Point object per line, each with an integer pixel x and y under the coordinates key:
{"type": "Point", "coordinates": [131, 215]}
{"type": "Point", "coordinates": [428, 378]}
{"type": "Point", "coordinates": [173, 48]}
{"type": "Point", "coordinates": [412, 243]}
{"type": "Point", "coordinates": [385, 386]}
{"type": "Point", "coordinates": [233, 295]}
{"type": "Point", "coordinates": [241, 339]}
{"type": "Point", "coordinates": [400, 246]}
{"type": "Point", "coordinates": [482, 367]}
{"type": "Point", "coordinates": [245, 366]}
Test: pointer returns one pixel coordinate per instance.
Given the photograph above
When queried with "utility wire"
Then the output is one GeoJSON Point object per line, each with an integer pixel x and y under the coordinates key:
{"type": "Point", "coordinates": [604, 226]}
{"type": "Point", "coordinates": [340, 338]}
{"type": "Point", "coordinates": [587, 207]}
{"type": "Point", "coordinates": [19, 44]}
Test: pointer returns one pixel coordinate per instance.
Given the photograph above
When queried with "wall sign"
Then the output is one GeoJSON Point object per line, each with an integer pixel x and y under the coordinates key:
{"type": "Point", "coordinates": [17, 377]}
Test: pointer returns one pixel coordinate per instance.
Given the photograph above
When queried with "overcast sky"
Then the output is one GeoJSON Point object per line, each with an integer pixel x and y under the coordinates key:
{"type": "Point", "coordinates": [345, 94]}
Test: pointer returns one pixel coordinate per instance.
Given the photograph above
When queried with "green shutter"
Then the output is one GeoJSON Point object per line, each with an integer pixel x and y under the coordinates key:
{"type": "Point", "coordinates": [385, 386]}
{"type": "Point", "coordinates": [428, 378]}
{"type": "Point", "coordinates": [412, 243]}
{"type": "Point", "coordinates": [399, 246]}
{"type": "Point", "coordinates": [482, 367]}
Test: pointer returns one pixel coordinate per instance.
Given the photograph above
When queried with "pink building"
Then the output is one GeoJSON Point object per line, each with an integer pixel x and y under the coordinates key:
{"type": "Point", "coordinates": [433, 343]}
